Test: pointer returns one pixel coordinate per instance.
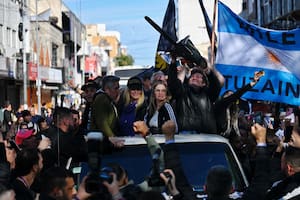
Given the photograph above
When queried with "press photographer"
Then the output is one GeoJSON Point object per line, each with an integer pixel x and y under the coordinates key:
{"type": "Point", "coordinates": [101, 183]}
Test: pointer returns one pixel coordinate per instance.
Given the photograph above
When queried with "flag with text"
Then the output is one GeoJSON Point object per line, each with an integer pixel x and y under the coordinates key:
{"type": "Point", "coordinates": [244, 48]}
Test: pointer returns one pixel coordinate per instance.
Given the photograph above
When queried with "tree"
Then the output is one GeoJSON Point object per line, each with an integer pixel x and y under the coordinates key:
{"type": "Point", "coordinates": [124, 60]}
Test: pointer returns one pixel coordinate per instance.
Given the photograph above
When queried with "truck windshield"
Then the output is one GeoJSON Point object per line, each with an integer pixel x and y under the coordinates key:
{"type": "Point", "coordinates": [196, 159]}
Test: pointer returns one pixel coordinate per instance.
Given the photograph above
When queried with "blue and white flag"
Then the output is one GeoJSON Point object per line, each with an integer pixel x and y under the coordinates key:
{"type": "Point", "coordinates": [244, 48]}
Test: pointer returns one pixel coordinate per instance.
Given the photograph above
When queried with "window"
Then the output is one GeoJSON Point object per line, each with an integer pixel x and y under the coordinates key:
{"type": "Point", "coordinates": [1, 34]}
{"type": "Point", "coordinates": [192, 156]}
{"type": "Point", "coordinates": [8, 37]}
{"type": "Point", "coordinates": [14, 38]}
{"type": "Point", "coordinates": [54, 55]}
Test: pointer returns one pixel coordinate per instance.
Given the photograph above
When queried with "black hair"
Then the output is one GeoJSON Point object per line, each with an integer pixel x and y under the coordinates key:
{"type": "Point", "coordinates": [218, 182]}
{"type": "Point", "coordinates": [25, 160]}
{"type": "Point", "coordinates": [40, 120]}
{"type": "Point", "coordinates": [292, 156]}
{"type": "Point", "coordinates": [98, 81]}
{"type": "Point", "coordinates": [61, 113]}
{"type": "Point", "coordinates": [54, 177]}
{"type": "Point", "coordinates": [75, 112]}
{"type": "Point", "coordinates": [25, 113]}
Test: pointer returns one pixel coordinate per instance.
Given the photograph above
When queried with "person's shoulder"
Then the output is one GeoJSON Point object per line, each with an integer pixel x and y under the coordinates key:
{"type": "Point", "coordinates": [100, 96]}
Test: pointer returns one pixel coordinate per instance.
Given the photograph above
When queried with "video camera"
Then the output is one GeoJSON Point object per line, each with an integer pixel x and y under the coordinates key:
{"type": "Point", "coordinates": [154, 179]}
{"type": "Point", "coordinates": [94, 181]}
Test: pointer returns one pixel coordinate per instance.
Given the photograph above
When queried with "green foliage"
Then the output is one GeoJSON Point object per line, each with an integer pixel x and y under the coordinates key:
{"type": "Point", "coordinates": [124, 60]}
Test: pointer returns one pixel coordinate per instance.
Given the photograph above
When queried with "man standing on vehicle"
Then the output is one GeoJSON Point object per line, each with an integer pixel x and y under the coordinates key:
{"type": "Point", "coordinates": [89, 91]}
{"type": "Point", "coordinates": [194, 96]}
{"type": "Point", "coordinates": [104, 116]}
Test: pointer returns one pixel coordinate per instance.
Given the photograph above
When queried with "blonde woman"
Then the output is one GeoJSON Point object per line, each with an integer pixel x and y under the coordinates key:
{"type": "Point", "coordinates": [133, 106]}
{"type": "Point", "coordinates": [159, 110]}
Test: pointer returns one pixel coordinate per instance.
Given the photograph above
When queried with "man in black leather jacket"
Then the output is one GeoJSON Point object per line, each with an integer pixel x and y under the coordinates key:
{"type": "Point", "coordinates": [194, 97]}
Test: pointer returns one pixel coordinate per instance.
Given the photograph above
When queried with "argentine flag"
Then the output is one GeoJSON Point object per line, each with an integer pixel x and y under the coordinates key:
{"type": "Point", "coordinates": [244, 48]}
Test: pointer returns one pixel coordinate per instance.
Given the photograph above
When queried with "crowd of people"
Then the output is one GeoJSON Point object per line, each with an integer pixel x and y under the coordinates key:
{"type": "Point", "coordinates": [38, 151]}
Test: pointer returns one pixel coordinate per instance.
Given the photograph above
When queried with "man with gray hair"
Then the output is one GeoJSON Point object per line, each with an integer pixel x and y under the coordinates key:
{"type": "Point", "coordinates": [104, 116]}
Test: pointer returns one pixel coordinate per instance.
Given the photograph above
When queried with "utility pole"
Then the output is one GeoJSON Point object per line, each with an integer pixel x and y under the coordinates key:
{"type": "Point", "coordinates": [75, 54]}
{"type": "Point", "coordinates": [38, 81]}
{"type": "Point", "coordinates": [24, 15]}
{"type": "Point", "coordinates": [83, 47]}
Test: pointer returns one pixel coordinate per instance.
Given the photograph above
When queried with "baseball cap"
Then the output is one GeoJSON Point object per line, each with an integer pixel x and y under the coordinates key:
{"type": "Point", "coordinates": [23, 134]}
{"type": "Point", "coordinates": [135, 83]}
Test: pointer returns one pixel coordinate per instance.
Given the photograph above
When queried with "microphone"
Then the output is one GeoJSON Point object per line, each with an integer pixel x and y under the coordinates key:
{"type": "Point", "coordinates": [94, 146]}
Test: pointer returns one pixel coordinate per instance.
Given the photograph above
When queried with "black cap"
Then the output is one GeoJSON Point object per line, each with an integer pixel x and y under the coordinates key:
{"type": "Point", "coordinates": [90, 84]}
{"type": "Point", "coordinates": [135, 83]}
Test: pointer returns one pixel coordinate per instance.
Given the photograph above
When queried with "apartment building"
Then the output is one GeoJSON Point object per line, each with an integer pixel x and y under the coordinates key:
{"type": "Point", "coordinates": [10, 64]}
{"type": "Point", "coordinates": [273, 14]}
{"type": "Point", "coordinates": [105, 46]}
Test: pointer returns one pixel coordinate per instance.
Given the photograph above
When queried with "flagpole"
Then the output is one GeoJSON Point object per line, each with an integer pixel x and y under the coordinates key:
{"type": "Point", "coordinates": [212, 59]}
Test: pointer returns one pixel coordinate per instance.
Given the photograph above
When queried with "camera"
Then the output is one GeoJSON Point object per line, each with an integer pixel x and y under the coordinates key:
{"type": "Point", "coordinates": [94, 182]}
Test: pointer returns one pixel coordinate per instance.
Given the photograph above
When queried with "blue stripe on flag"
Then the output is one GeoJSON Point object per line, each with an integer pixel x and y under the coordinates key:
{"type": "Point", "coordinates": [276, 86]}
{"type": "Point", "coordinates": [229, 22]}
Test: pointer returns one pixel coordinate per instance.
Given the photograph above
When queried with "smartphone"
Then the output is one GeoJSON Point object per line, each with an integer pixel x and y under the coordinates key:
{"type": "Point", "coordinates": [260, 73]}
{"type": "Point", "coordinates": [258, 118]}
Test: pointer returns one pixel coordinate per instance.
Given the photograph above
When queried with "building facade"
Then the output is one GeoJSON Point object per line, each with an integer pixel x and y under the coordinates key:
{"type": "Point", "coordinates": [10, 55]}
{"type": "Point", "coordinates": [50, 35]}
{"type": "Point", "coordinates": [105, 47]}
{"type": "Point", "coordinates": [191, 21]}
{"type": "Point", "coordinates": [273, 14]}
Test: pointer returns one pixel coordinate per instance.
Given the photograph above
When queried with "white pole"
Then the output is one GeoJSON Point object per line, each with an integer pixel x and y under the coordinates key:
{"type": "Point", "coordinates": [83, 47]}
{"type": "Point", "coordinates": [24, 13]}
{"type": "Point", "coordinates": [38, 81]}
{"type": "Point", "coordinates": [75, 54]}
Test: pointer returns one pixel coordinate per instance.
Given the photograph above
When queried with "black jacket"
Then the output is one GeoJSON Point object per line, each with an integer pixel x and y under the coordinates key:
{"type": "Point", "coordinates": [165, 113]}
{"type": "Point", "coordinates": [222, 104]}
{"type": "Point", "coordinates": [22, 192]}
{"type": "Point", "coordinates": [288, 187]}
{"type": "Point", "coordinates": [194, 109]}
{"type": "Point", "coordinates": [67, 145]}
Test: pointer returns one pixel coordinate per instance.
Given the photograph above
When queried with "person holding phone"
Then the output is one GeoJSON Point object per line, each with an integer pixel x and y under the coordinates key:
{"type": "Point", "coordinates": [227, 109]}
